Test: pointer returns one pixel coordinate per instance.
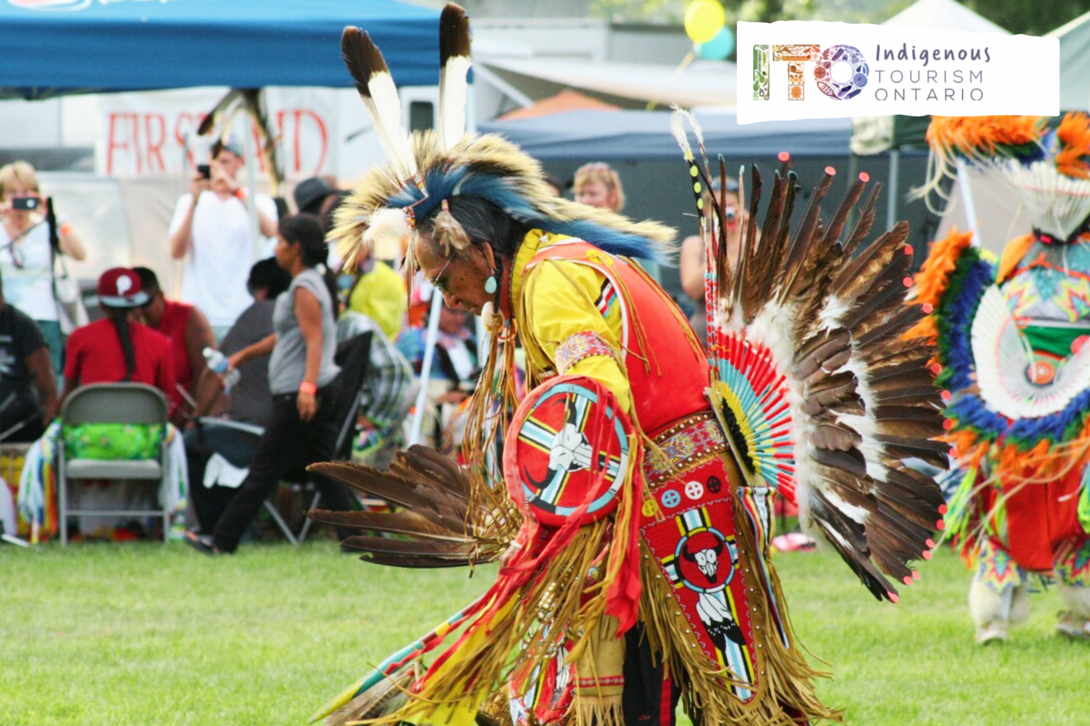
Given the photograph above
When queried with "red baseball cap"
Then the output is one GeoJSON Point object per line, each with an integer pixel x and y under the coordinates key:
{"type": "Point", "coordinates": [119, 287]}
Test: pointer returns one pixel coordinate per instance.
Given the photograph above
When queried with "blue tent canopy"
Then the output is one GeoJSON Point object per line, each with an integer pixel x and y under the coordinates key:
{"type": "Point", "coordinates": [626, 135]}
{"type": "Point", "coordinates": [54, 47]}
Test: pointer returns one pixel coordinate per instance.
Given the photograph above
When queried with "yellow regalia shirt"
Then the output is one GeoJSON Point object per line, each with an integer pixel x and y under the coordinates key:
{"type": "Point", "coordinates": [559, 298]}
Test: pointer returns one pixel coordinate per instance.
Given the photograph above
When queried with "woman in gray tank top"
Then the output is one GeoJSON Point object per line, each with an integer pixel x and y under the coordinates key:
{"type": "Point", "coordinates": [303, 380]}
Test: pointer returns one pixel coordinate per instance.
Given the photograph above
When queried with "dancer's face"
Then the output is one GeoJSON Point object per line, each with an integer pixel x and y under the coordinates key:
{"type": "Point", "coordinates": [460, 277]}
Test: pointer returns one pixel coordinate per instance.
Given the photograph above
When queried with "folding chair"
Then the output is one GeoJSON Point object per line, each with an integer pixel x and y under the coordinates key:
{"type": "Point", "coordinates": [353, 355]}
{"type": "Point", "coordinates": [120, 403]}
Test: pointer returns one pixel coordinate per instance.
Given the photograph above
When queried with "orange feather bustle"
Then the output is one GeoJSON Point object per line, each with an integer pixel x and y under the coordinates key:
{"type": "Point", "coordinates": [934, 277]}
{"type": "Point", "coordinates": [980, 135]}
{"type": "Point", "coordinates": [1074, 133]}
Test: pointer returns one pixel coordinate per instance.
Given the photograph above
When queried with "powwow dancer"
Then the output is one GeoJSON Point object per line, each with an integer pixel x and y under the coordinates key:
{"type": "Point", "coordinates": [1010, 344]}
{"type": "Point", "coordinates": [631, 513]}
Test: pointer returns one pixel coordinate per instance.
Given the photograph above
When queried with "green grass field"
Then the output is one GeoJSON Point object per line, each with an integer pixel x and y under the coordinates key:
{"type": "Point", "coordinates": [142, 634]}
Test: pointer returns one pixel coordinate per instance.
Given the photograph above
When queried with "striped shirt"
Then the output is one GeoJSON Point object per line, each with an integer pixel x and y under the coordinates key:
{"type": "Point", "coordinates": [389, 383]}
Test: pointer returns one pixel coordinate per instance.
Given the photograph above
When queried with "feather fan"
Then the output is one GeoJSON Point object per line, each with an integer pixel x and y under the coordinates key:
{"type": "Point", "coordinates": [812, 383]}
{"type": "Point", "coordinates": [439, 527]}
{"type": "Point", "coordinates": [1005, 363]}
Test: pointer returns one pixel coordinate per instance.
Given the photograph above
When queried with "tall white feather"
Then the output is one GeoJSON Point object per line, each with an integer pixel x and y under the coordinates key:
{"type": "Point", "coordinates": [384, 105]}
{"type": "Point", "coordinates": [379, 94]}
{"type": "Point", "coordinates": [453, 92]}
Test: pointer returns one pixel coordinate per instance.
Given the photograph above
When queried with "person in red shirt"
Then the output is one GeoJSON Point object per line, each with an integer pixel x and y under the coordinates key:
{"type": "Point", "coordinates": [116, 348]}
{"type": "Point", "coordinates": [185, 325]}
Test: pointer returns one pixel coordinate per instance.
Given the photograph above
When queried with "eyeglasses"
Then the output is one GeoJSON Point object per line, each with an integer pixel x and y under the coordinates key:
{"type": "Point", "coordinates": [437, 281]}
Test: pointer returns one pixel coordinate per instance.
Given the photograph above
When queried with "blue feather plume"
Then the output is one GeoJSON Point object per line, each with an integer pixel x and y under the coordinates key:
{"type": "Point", "coordinates": [505, 193]}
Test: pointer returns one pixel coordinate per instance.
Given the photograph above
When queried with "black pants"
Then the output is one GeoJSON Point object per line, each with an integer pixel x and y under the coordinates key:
{"type": "Point", "coordinates": [235, 445]}
{"type": "Point", "coordinates": [286, 448]}
{"type": "Point", "coordinates": [648, 699]}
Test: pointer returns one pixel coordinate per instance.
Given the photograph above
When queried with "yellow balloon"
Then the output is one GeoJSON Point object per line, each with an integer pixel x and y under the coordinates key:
{"type": "Point", "coordinates": [703, 19]}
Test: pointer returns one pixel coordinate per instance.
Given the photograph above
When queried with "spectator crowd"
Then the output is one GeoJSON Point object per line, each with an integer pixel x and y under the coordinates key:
{"type": "Point", "coordinates": [248, 356]}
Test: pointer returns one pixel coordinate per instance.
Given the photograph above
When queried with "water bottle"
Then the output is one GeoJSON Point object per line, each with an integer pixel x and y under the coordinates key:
{"type": "Point", "coordinates": [217, 363]}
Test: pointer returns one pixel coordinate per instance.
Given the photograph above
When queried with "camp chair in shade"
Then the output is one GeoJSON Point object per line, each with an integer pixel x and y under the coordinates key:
{"type": "Point", "coordinates": [117, 403]}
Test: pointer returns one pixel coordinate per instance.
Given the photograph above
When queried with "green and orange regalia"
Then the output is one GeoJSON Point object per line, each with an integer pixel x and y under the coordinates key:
{"type": "Point", "coordinates": [1014, 369]}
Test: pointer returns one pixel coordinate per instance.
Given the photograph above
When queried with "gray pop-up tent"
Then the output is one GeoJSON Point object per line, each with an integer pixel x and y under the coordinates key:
{"type": "Point", "coordinates": [644, 135]}
{"type": "Point", "coordinates": [902, 138]}
{"type": "Point", "coordinates": [655, 178]}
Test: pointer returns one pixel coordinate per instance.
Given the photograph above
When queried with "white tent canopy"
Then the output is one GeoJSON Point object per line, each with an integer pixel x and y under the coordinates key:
{"type": "Point", "coordinates": [1074, 56]}
{"type": "Point", "coordinates": [944, 14]}
{"type": "Point", "coordinates": [875, 134]}
{"type": "Point", "coordinates": [703, 83]}
{"type": "Point", "coordinates": [999, 214]}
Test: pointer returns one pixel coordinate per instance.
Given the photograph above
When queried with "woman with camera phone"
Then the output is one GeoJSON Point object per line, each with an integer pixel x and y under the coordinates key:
{"type": "Point", "coordinates": [26, 256]}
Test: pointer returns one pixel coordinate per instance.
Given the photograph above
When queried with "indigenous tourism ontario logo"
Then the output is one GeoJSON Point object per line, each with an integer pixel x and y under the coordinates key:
{"type": "Point", "coordinates": [826, 63]}
{"type": "Point", "coordinates": [796, 70]}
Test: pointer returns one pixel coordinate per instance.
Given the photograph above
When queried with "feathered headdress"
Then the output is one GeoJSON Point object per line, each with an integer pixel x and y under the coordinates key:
{"type": "Point", "coordinates": [428, 167]}
{"type": "Point", "coordinates": [1049, 166]}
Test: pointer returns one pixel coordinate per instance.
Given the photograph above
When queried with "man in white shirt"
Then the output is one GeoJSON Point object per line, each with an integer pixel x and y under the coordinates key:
{"type": "Point", "coordinates": [211, 231]}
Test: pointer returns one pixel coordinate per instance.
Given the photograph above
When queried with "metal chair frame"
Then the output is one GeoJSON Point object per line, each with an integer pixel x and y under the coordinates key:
{"type": "Point", "coordinates": [125, 403]}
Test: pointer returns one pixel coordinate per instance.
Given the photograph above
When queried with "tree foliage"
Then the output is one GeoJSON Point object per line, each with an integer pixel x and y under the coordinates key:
{"type": "Point", "coordinates": [1029, 18]}
{"type": "Point", "coordinates": [1017, 16]}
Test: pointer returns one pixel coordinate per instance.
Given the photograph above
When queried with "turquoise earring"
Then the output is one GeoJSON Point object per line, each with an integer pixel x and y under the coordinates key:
{"type": "Point", "coordinates": [490, 285]}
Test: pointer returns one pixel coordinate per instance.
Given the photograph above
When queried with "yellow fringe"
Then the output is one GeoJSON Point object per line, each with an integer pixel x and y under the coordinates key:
{"type": "Point", "coordinates": [515, 628]}
{"type": "Point", "coordinates": [559, 602]}
{"type": "Point", "coordinates": [486, 421]}
{"type": "Point", "coordinates": [598, 714]}
{"type": "Point", "coordinates": [603, 658]}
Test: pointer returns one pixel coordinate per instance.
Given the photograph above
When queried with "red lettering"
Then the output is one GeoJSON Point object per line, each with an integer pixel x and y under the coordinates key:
{"type": "Point", "coordinates": [134, 119]}
{"type": "Point", "coordinates": [259, 147]}
{"type": "Point", "coordinates": [183, 122]}
{"type": "Point", "coordinates": [155, 140]}
{"type": "Point", "coordinates": [185, 128]}
{"type": "Point", "coordinates": [297, 116]}
{"type": "Point", "coordinates": [112, 143]}
{"type": "Point", "coordinates": [323, 135]}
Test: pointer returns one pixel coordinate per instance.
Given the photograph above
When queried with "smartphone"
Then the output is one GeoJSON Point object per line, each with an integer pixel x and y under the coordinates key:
{"type": "Point", "coordinates": [205, 170]}
{"type": "Point", "coordinates": [25, 204]}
